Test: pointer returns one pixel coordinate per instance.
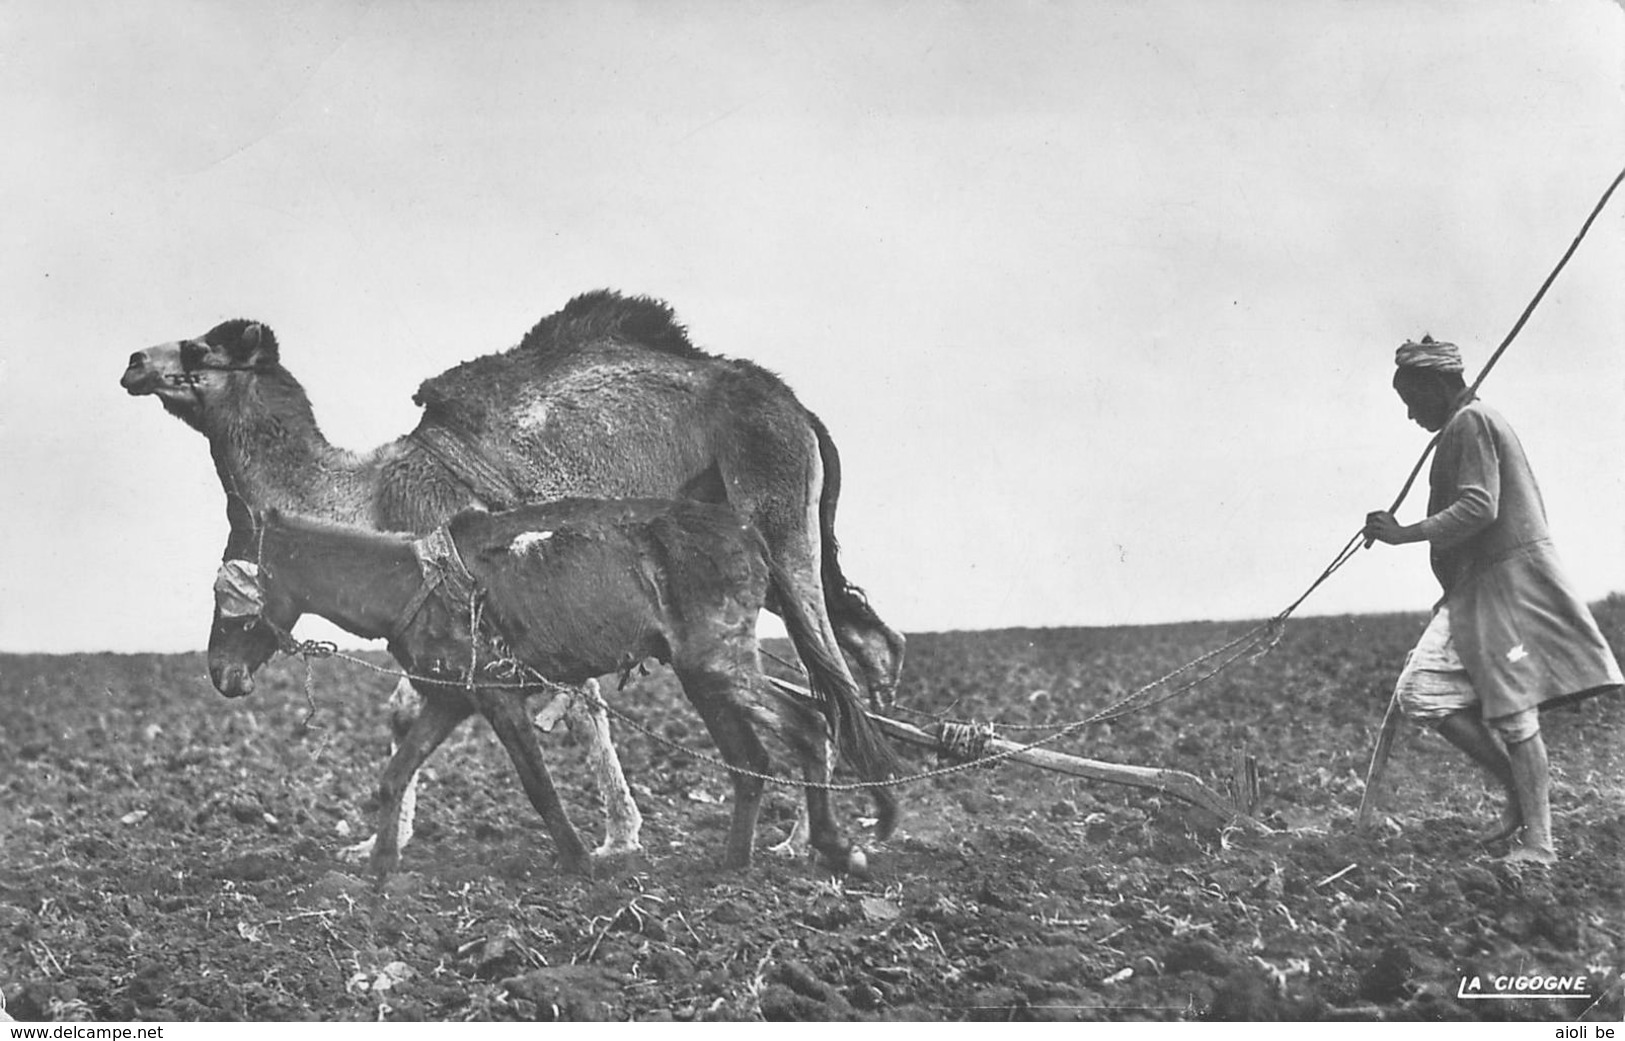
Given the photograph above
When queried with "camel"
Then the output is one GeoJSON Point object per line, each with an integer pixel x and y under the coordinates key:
{"type": "Point", "coordinates": [606, 398]}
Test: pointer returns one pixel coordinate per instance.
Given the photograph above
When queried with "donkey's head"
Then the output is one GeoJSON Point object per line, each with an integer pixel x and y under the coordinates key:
{"type": "Point", "coordinates": [369, 583]}
{"type": "Point", "coordinates": [251, 612]}
{"type": "Point", "coordinates": [187, 376]}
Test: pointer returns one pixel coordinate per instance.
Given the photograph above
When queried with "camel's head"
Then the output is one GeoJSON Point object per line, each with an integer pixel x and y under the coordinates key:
{"type": "Point", "coordinates": [186, 375]}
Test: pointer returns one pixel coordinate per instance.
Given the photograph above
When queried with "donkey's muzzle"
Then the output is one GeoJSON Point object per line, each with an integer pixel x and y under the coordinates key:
{"type": "Point", "coordinates": [234, 681]}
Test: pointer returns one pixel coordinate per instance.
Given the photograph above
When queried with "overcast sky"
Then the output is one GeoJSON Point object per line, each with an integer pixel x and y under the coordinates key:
{"type": "Point", "coordinates": [1099, 300]}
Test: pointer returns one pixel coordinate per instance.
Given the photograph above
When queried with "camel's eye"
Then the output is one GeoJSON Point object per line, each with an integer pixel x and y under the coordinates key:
{"type": "Point", "coordinates": [192, 354]}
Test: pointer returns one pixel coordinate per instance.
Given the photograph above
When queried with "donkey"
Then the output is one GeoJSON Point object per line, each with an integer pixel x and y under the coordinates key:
{"type": "Point", "coordinates": [569, 590]}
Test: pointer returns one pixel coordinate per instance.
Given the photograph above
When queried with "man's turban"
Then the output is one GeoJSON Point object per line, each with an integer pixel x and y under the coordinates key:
{"type": "Point", "coordinates": [1428, 353]}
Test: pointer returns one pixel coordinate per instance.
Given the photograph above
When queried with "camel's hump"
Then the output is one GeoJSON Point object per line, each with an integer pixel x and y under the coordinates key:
{"type": "Point", "coordinates": [591, 319]}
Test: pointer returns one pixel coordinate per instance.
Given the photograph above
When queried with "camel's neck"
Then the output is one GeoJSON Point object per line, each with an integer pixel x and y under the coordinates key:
{"type": "Point", "coordinates": [361, 581]}
{"type": "Point", "coordinates": [269, 451]}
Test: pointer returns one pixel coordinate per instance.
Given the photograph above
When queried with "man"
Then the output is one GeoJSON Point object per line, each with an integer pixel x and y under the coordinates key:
{"type": "Point", "coordinates": [1510, 634]}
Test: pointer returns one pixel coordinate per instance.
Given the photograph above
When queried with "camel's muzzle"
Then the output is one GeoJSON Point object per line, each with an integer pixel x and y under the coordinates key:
{"type": "Point", "coordinates": [140, 377]}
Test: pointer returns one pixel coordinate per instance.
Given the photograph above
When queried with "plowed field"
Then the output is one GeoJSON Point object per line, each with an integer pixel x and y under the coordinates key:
{"type": "Point", "coordinates": [166, 854]}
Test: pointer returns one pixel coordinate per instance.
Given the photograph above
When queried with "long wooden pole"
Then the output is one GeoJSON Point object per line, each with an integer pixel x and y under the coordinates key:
{"type": "Point", "coordinates": [1183, 786]}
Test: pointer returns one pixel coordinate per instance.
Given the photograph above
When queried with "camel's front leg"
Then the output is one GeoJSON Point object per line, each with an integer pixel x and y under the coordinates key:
{"type": "Point", "coordinates": [590, 725]}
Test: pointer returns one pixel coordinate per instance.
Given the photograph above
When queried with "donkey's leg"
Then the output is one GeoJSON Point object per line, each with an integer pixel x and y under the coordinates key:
{"type": "Point", "coordinates": [505, 709]}
{"type": "Point", "coordinates": [589, 723]}
{"type": "Point", "coordinates": [795, 843]}
{"type": "Point", "coordinates": [716, 689]}
{"type": "Point", "coordinates": [806, 732]}
{"type": "Point", "coordinates": [825, 835]}
{"type": "Point", "coordinates": [836, 850]}
{"type": "Point", "coordinates": [800, 837]}
{"type": "Point", "coordinates": [798, 560]}
{"type": "Point", "coordinates": [439, 716]}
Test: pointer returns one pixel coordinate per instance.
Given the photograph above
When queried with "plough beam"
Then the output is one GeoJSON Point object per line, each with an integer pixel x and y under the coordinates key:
{"type": "Point", "coordinates": [1183, 786]}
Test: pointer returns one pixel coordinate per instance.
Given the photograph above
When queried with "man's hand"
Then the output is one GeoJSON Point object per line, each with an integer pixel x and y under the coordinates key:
{"type": "Point", "coordinates": [1380, 526]}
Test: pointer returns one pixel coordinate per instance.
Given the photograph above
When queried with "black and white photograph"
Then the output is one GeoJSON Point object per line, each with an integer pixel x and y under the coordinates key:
{"type": "Point", "coordinates": [943, 511]}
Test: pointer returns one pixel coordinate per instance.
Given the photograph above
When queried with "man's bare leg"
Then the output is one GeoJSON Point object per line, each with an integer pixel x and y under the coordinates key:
{"type": "Point", "coordinates": [1465, 729]}
{"type": "Point", "coordinates": [1531, 780]}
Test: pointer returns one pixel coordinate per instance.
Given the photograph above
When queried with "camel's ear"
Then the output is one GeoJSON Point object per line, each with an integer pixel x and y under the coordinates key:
{"type": "Point", "coordinates": [247, 343]}
{"type": "Point", "coordinates": [256, 346]}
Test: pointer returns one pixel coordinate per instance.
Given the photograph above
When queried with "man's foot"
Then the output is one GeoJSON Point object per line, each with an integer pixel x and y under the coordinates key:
{"type": "Point", "coordinates": [1503, 829]}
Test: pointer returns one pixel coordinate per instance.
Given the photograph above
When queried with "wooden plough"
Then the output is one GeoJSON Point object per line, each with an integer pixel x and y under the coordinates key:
{"type": "Point", "coordinates": [1183, 786]}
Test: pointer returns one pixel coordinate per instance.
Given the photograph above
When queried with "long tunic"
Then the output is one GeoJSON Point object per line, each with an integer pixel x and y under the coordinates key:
{"type": "Point", "coordinates": [1523, 633]}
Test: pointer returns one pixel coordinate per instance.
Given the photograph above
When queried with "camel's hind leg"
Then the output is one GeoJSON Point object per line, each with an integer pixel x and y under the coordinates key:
{"type": "Point", "coordinates": [787, 509]}
{"type": "Point", "coordinates": [505, 710]}
{"type": "Point", "coordinates": [810, 593]}
{"type": "Point", "coordinates": [438, 717]}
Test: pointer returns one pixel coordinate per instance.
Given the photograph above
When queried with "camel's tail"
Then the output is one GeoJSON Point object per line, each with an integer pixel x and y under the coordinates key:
{"type": "Point", "coordinates": [845, 600]}
{"type": "Point", "coordinates": [858, 739]}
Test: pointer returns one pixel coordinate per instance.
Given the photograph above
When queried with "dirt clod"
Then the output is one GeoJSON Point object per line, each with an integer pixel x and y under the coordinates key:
{"type": "Point", "coordinates": [580, 993]}
{"type": "Point", "coordinates": [1389, 977]}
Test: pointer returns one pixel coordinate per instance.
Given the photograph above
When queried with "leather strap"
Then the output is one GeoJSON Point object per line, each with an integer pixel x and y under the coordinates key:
{"type": "Point", "coordinates": [442, 567]}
